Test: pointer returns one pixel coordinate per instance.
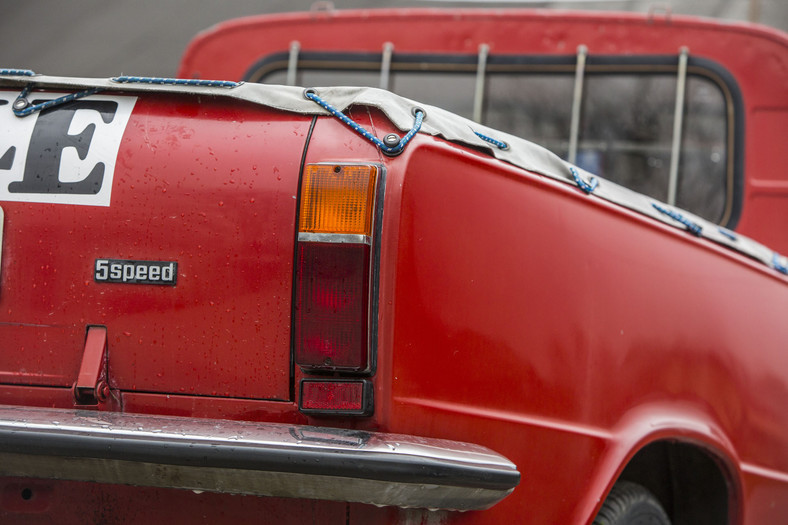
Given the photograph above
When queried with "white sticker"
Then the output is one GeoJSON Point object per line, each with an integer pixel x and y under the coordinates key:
{"type": "Point", "coordinates": [62, 155]}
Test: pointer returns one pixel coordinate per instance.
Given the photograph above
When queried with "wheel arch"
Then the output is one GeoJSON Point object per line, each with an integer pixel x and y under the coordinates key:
{"type": "Point", "coordinates": [679, 454]}
{"type": "Point", "coordinates": [693, 482]}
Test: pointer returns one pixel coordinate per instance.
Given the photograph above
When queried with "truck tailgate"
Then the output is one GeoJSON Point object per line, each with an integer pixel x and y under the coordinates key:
{"type": "Point", "coordinates": [155, 216]}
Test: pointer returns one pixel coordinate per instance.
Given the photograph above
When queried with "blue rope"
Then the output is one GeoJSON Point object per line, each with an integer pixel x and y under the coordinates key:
{"type": "Point", "coordinates": [497, 143]}
{"type": "Point", "coordinates": [782, 268]}
{"type": "Point", "coordinates": [587, 187]}
{"type": "Point", "coordinates": [176, 81]}
{"type": "Point", "coordinates": [17, 72]}
{"type": "Point", "coordinates": [25, 91]}
{"type": "Point", "coordinates": [51, 103]}
{"type": "Point", "coordinates": [727, 233]}
{"type": "Point", "coordinates": [389, 150]}
{"type": "Point", "coordinates": [691, 226]}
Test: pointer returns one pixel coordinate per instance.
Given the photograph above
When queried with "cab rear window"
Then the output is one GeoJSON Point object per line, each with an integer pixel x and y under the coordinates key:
{"type": "Point", "coordinates": [627, 109]}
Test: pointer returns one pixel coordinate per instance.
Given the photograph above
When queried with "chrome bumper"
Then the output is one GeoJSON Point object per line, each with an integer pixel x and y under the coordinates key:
{"type": "Point", "coordinates": [266, 459]}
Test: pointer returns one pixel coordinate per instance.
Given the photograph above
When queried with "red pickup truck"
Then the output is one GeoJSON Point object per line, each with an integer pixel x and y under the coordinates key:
{"type": "Point", "coordinates": [261, 299]}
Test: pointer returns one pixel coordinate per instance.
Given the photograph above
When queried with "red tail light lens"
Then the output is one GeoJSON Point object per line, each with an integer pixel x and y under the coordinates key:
{"type": "Point", "coordinates": [351, 397]}
{"type": "Point", "coordinates": [332, 304]}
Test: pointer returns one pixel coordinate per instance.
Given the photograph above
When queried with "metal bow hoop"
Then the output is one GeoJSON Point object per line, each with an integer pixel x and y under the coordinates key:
{"type": "Point", "coordinates": [392, 145]}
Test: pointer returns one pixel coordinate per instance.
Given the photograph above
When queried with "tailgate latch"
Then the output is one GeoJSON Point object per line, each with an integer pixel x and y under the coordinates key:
{"type": "Point", "coordinates": [91, 387]}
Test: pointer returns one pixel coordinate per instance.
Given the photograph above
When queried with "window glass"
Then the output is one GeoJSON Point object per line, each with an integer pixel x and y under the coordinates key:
{"type": "Point", "coordinates": [626, 129]}
{"type": "Point", "coordinates": [703, 167]}
{"type": "Point", "coordinates": [536, 107]}
{"type": "Point", "coordinates": [449, 91]}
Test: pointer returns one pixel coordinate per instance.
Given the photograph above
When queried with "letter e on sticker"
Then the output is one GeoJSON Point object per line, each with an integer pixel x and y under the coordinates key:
{"type": "Point", "coordinates": [62, 155]}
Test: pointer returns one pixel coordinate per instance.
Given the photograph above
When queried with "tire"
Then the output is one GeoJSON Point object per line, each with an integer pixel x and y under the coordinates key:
{"type": "Point", "coordinates": [631, 504]}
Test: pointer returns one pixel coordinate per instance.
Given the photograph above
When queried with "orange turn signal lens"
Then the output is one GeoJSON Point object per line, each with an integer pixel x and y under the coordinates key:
{"type": "Point", "coordinates": [337, 199]}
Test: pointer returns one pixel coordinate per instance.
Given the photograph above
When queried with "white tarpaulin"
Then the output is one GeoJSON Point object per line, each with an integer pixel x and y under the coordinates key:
{"type": "Point", "coordinates": [438, 122]}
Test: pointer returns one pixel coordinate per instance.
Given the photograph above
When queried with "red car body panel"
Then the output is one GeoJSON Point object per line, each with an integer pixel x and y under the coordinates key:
{"type": "Point", "coordinates": [565, 332]}
{"type": "Point", "coordinates": [567, 356]}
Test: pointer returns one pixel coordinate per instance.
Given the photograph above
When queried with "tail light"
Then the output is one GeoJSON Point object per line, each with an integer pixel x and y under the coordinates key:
{"type": "Point", "coordinates": [332, 291]}
{"type": "Point", "coordinates": [351, 397]}
{"type": "Point", "coordinates": [333, 284]}
{"type": "Point", "coordinates": [337, 200]}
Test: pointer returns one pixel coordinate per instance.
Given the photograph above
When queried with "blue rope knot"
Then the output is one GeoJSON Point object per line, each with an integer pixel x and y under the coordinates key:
{"type": "Point", "coordinates": [497, 143]}
{"type": "Point", "coordinates": [388, 150]}
{"type": "Point", "coordinates": [587, 187]}
{"type": "Point", "coordinates": [695, 229]}
{"type": "Point", "coordinates": [727, 233]}
{"type": "Point", "coordinates": [161, 81]}
{"type": "Point", "coordinates": [779, 266]}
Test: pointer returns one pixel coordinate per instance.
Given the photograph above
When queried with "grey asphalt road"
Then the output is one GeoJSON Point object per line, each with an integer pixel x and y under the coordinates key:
{"type": "Point", "coordinates": [105, 38]}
